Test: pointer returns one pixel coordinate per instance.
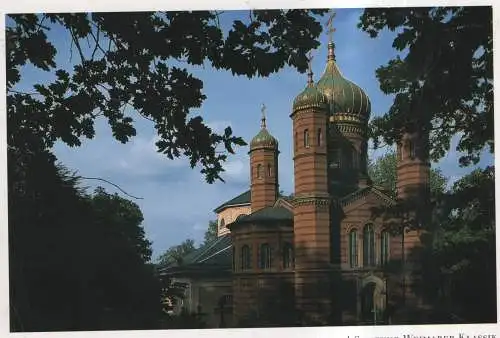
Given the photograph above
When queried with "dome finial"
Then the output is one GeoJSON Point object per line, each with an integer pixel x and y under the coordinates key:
{"type": "Point", "coordinates": [263, 119]}
{"type": "Point", "coordinates": [263, 139]}
{"type": "Point", "coordinates": [330, 30]}
{"type": "Point", "coordinates": [310, 81]}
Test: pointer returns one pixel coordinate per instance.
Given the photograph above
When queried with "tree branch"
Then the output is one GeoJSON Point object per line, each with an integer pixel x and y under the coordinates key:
{"type": "Point", "coordinates": [96, 39]}
{"type": "Point", "coordinates": [40, 25]}
{"type": "Point", "coordinates": [23, 93]}
{"type": "Point", "coordinates": [113, 184]}
{"type": "Point", "coordinates": [77, 44]}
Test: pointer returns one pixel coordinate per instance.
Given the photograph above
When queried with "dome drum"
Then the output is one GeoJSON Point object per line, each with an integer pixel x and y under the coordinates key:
{"type": "Point", "coordinates": [349, 118]}
{"type": "Point", "coordinates": [347, 130]}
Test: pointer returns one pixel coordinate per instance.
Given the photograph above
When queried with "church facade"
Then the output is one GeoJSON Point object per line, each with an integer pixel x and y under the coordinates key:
{"type": "Point", "coordinates": [320, 256]}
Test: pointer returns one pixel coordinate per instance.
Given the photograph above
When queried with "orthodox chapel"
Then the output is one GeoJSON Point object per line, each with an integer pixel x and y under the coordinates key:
{"type": "Point", "coordinates": [319, 256]}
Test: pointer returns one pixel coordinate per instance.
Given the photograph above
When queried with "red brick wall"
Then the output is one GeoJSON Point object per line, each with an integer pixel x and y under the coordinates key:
{"type": "Point", "coordinates": [250, 285]}
{"type": "Point", "coordinates": [311, 216]}
{"type": "Point", "coordinates": [264, 188]}
{"type": "Point", "coordinates": [310, 162]}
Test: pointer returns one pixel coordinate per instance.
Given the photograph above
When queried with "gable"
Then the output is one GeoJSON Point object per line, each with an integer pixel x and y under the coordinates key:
{"type": "Point", "coordinates": [365, 198]}
{"type": "Point", "coordinates": [284, 203]}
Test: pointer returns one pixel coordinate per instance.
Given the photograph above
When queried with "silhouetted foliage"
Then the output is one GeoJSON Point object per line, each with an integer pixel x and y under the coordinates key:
{"type": "Point", "coordinates": [444, 84]}
{"type": "Point", "coordinates": [211, 233]}
{"type": "Point", "coordinates": [459, 265]}
{"type": "Point", "coordinates": [77, 261]}
{"type": "Point", "coordinates": [382, 172]}
{"type": "Point", "coordinates": [135, 60]}
{"type": "Point", "coordinates": [176, 253]}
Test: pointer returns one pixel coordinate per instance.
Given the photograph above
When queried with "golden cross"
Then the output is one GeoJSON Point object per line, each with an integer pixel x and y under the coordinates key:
{"type": "Point", "coordinates": [263, 121]}
{"type": "Point", "coordinates": [310, 57]}
{"type": "Point", "coordinates": [329, 24]}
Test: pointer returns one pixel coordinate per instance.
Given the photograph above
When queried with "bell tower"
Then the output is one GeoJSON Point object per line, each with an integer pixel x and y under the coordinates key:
{"type": "Point", "coordinates": [413, 166]}
{"type": "Point", "coordinates": [413, 175]}
{"type": "Point", "coordinates": [311, 204]}
{"type": "Point", "coordinates": [263, 168]}
{"type": "Point", "coordinates": [413, 193]}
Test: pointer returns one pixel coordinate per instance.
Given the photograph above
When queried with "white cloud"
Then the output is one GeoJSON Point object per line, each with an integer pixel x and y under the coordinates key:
{"type": "Point", "coordinates": [237, 170]}
{"type": "Point", "coordinates": [200, 227]}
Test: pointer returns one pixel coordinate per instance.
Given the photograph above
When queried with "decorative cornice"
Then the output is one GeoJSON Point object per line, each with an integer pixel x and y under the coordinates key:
{"type": "Point", "coordinates": [309, 153]}
{"type": "Point", "coordinates": [382, 195]}
{"type": "Point", "coordinates": [312, 200]}
{"type": "Point", "coordinates": [311, 109]}
{"type": "Point", "coordinates": [354, 197]}
{"type": "Point", "coordinates": [322, 106]}
{"type": "Point", "coordinates": [347, 117]}
{"type": "Point", "coordinates": [348, 128]}
{"type": "Point", "coordinates": [269, 148]}
{"type": "Point", "coordinates": [281, 202]}
{"type": "Point", "coordinates": [415, 162]}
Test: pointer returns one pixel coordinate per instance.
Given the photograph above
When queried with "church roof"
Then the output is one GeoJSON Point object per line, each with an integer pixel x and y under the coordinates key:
{"type": "Point", "coordinates": [243, 198]}
{"type": "Point", "coordinates": [310, 97]}
{"type": "Point", "coordinates": [263, 139]}
{"type": "Point", "coordinates": [269, 214]}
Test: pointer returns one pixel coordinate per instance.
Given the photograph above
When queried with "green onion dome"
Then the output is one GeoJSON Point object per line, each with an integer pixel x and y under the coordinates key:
{"type": "Point", "coordinates": [263, 139]}
{"type": "Point", "coordinates": [310, 97]}
{"type": "Point", "coordinates": [343, 96]}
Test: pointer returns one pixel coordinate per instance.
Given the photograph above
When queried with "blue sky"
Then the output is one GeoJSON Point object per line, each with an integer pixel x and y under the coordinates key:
{"type": "Point", "coordinates": [177, 202]}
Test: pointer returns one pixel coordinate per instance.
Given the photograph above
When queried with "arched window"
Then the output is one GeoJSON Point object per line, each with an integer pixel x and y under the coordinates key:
{"type": "Point", "coordinates": [296, 142]}
{"type": "Point", "coordinates": [259, 170]}
{"type": "Point", "coordinates": [384, 247]}
{"type": "Point", "coordinates": [353, 248]}
{"type": "Point", "coordinates": [306, 138]}
{"type": "Point", "coordinates": [265, 256]}
{"type": "Point", "coordinates": [320, 136]}
{"type": "Point", "coordinates": [287, 256]}
{"type": "Point", "coordinates": [222, 223]}
{"type": "Point", "coordinates": [400, 153]}
{"type": "Point", "coordinates": [269, 170]}
{"type": "Point", "coordinates": [411, 150]}
{"type": "Point", "coordinates": [368, 246]}
{"type": "Point", "coordinates": [245, 258]}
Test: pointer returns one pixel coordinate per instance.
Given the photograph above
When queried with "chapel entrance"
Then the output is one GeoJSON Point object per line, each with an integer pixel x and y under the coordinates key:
{"type": "Point", "coordinates": [372, 301]}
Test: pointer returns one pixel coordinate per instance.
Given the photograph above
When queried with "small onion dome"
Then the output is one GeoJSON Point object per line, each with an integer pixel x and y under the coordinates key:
{"type": "Point", "coordinates": [310, 97]}
{"type": "Point", "coordinates": [263, 139]}
{"type": "Point", "coordinates": [343, 95]}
